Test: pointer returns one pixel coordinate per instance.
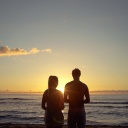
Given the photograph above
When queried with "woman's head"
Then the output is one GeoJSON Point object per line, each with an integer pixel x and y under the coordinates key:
{"type": "Point", "coordinates": [52, 82]}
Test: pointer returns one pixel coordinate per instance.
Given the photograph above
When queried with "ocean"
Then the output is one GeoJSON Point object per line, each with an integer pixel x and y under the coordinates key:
{"type": "Point", "coordinates": [26, 109]}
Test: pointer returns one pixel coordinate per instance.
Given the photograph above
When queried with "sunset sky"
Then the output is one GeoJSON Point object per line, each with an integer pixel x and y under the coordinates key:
{"type": "Point", "coordinates": [39, 38]}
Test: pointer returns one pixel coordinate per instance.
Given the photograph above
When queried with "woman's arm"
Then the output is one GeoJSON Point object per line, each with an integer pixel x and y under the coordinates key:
{"type": "Point", "coordinates": [61, 102]}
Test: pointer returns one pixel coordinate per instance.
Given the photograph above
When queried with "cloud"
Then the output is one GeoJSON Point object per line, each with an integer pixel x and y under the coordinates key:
{"type": "Point", "coordinates": [6, 51]}
{"type": "Point", "coordinates": [34, 50]}
{"type": "Point", "coordinates": [47, 50]}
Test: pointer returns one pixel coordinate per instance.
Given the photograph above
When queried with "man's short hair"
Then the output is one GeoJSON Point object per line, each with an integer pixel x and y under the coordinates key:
{"type": "Point", "coordinates": [76, 72]}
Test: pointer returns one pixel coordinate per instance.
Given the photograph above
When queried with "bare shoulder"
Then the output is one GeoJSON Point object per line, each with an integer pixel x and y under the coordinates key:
{"type": "Point", "coordinates": [45, 93]}
{"type": "Point", "coordinates": [84, 85]}
{"type": "Point", "coordinates": [58, 92]}
{"type": "Point", "coordinates": [69, 83]}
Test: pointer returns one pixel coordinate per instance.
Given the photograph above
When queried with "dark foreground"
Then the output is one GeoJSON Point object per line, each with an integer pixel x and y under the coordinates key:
{"type": "Point", "coordinates": [42, 126]}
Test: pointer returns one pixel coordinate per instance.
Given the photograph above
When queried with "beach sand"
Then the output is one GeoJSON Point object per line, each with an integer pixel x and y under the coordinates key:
{"type": "Point", "coordinates": [42, 126]}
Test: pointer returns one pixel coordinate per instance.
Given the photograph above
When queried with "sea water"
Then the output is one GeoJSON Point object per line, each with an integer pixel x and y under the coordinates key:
{"type": "Point", "coordinates": [26, 109]}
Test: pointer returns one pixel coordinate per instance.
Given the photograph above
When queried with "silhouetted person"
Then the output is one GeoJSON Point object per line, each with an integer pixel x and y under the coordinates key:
{"type": "Point", "coordinates": [55, 103]}
{"type": "Point", "coordinates": [74, 95]}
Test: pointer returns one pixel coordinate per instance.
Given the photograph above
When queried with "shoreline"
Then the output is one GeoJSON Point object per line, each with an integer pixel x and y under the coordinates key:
{"type": "Point", "coordinates": [9, 125]}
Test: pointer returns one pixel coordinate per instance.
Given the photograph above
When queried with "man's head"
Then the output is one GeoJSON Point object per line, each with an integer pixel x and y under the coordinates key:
{"type": "Point", "coordinates": [76, 73]}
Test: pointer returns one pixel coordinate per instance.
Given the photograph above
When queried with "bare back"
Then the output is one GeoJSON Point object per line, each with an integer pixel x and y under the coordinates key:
{"type": "Point", "coordinates": [74, 94]}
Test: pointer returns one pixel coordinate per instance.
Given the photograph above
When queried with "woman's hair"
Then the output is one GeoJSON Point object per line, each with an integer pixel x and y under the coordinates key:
{"type": "Point", "coordinates": [52, 82]}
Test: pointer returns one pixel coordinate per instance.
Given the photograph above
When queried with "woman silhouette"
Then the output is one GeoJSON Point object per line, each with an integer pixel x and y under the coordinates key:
{"type": "Point", "coordinates": [55, 103]}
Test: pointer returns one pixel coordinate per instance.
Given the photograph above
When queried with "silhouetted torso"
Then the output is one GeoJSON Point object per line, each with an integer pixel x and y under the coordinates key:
{"type": "Point", "coordinates": [54, 99]}
{"type": "Point", "coordinates": [55, 103]}
{"type": "Point", "coordinates": [75, 91]}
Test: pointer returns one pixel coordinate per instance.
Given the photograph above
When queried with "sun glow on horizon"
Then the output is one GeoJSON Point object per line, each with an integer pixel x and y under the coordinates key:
{"type": "Point", "coordinates": [61, 89]}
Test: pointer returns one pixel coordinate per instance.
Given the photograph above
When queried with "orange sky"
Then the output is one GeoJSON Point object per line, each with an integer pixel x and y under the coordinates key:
{"type": "Point", "coordinates": [39, 39]}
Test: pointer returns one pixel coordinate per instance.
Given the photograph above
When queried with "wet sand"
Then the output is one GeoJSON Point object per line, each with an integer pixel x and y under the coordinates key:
{"type": "Point", "coordinates": [64, 126]}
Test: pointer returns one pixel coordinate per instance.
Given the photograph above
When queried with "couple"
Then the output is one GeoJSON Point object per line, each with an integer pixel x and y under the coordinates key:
{"type": "Point", "coordinates": [73, 94]}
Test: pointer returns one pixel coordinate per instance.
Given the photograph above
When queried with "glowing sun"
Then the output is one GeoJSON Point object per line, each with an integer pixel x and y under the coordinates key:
{"type": "Point", "coordinates": [62, 90]}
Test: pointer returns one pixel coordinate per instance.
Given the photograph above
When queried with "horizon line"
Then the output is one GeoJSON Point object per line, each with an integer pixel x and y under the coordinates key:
{"type": "Point", "coordinates": [91, 92]}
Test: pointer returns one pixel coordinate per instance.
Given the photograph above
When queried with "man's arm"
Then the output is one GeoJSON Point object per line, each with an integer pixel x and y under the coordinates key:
{"type": "Point", "coordinates": [66, 100]}
{"type": "Point", "coordinates": [87, 100]}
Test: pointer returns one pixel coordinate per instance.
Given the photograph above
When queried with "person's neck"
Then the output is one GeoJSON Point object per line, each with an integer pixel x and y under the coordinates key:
{"type": "Point", "coordinates": [52, 88]}
{"type": "Point", "coordinates": [76, 79]}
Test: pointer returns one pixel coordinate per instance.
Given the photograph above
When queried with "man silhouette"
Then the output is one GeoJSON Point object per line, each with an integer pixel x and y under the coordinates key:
{"type": "Point", "coordinates": [74, 95]}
